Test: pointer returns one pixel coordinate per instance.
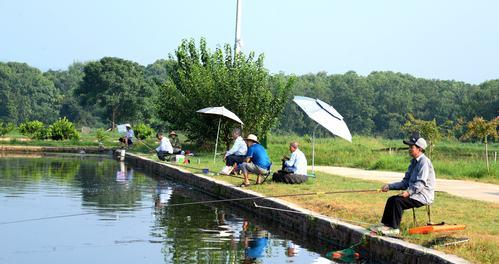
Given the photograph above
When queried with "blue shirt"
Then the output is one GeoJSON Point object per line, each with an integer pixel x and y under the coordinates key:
{"type": "Point", "coordinates": [258, 156]}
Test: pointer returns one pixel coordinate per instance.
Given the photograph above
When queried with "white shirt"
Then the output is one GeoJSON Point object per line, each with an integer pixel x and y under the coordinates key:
{"type": "Point", "coordinates": [298, 161]}
{"type": "Point", "coordinates": [239, 148]}
{"type": "Point", "coordinates": [129, 134]}
{"type": "Point", "coordinates": [165, 146]}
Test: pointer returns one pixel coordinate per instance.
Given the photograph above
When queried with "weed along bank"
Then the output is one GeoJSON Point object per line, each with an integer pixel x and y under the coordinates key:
{"type": "Point", "coordinates": [306, 223]}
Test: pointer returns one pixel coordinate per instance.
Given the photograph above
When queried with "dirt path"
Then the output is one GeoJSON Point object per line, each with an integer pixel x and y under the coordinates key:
{"type": "Point", "coordinates": [467, 189]}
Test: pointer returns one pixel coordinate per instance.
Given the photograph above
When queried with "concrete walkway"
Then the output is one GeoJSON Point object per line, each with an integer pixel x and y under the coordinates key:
{"type": "Point", "coordinates": [467, 189]}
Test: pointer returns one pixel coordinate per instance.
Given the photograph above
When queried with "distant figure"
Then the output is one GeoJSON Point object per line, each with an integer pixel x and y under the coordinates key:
{"type": "Point", "coordinates": [236, 154]}
{"type": "Point", "coordinates": [175, 141]}
{"type": "Point", "coordinates": [255, 242]}
{"type": "Point", "coordinates": [418, 185]}
{"type": "Point", "coordinates": [165, 149]}
{"type": "Point", "coordinates": [294, 169]}
{"type": "Point", "coordinates": [127, 140]}
{"type": "Point", "coordinates": [257, 161]}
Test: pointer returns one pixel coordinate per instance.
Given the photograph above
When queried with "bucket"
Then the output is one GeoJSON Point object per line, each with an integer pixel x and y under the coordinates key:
{"type": "Point", "coordinates": [206, 171]}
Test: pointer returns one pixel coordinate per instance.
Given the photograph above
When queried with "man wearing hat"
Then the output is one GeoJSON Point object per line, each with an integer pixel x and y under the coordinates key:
{"type": "Point", "coordinates": [418, 185]}
{"type": "Point", "coordinates": [128, 138]}
{"type": "Point", "coordinates": [257, 161]}
{"type": "Point", "coordinates": [177, 148]}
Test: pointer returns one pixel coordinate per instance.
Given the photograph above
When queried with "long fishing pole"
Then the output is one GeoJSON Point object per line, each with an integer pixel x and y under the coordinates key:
{"type": "Point", "coordinates": [200, 202]}
{"type": "Point", "coordinates": [145, 144]}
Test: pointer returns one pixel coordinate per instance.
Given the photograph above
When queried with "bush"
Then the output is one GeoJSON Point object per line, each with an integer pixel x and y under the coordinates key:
{"type": "Point", "coordinates": [29, 128]}
{"type": "Point", "coordinates": [5, 128]}
{"type": "Point", "coordinates": [100, 134]}
{"type": "Point", "coordinates": [143, 131]}
{"type": "Point", "coordinates": [63, 129]}
{"type": "Point", "coordinates": [42, 134]}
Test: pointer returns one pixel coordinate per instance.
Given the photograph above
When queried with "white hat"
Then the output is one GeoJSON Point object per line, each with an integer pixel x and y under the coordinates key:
{"type": "Point", "coordinates": [252, 138]}
{"type": "Point", "coordinates": [416, 140]}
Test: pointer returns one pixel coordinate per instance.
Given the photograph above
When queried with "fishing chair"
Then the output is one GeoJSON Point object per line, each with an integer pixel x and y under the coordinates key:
{"type": "Point", "coordinates": [428, 212]}
{"type": "Point", "coordinates": [266, 176]}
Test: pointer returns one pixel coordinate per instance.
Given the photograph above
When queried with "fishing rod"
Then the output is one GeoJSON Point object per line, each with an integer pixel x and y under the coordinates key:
{"type": "Point", "coordinates": [150, 149]}
{"type": "Point", "coordinates": [201, 202]}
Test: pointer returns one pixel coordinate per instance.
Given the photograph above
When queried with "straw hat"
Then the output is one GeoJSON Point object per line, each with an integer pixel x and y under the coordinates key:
{"type": "Point", "coordinates": [173, 133]}
{"type": "Point", "coordinates": [252, 138]}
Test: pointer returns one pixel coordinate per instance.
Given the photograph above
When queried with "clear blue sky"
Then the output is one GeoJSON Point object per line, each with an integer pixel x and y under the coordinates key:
{"type": "Point", "coordinates": [441, 39]}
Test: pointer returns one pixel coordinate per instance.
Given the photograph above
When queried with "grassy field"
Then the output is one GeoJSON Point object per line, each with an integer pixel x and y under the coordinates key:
{"type": "Point", "coordinates": [451, 160]}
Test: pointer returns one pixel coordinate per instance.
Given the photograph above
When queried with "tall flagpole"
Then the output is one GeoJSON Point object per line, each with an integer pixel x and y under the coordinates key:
{"type": "Point", "coordinates": [238, 41]}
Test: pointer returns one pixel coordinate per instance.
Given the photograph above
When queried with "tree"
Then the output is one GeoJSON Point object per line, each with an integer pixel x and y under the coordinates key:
{"type": "Point", "coordinates": [117, 85]}
{"type": "Point", "coordinates": [482, 129]}
{"type": "Point", "coordinates": [201, 78]}
{"type": "Point", "coordinates": [427, 129]}
{"type": "Point", "coordinates": [25, 94]}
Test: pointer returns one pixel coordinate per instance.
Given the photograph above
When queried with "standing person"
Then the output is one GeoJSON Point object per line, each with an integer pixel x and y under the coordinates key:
{"type": "Point", "coordinates": [175, 141]}
{"type": "Point", "coordinates": [297, 163]}
{"type": "Point", "coordinates": [165, 148]}
{"type": "Point", "coordinates": [236, 154]}
{"type": "Point", "coordinates": [257, 161]}
{"type": "Point", "coordinates": [418, 185]}
{"type": "Point", "coordinates": [128, 138]}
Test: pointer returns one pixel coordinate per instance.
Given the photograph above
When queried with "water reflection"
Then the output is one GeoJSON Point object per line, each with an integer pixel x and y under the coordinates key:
{"type": "Point", "coordinates": [129, 219]}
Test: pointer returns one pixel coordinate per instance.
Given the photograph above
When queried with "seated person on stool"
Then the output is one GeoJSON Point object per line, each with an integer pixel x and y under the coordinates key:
{"type": "Point", "coordinates": [418, 185]}
{"type": "Point", "coordinates": [165, 149]}
{"type": "Point", "coordinates": [297, 163]}
{"type": "Point", "coordinates": [127, 140]}
{"type": "Point", "coordinates": [236, 154]}
{"type": "Point", "coordinates": [175, 142]}
{"type": "Point", "coordinates": [257, 161]}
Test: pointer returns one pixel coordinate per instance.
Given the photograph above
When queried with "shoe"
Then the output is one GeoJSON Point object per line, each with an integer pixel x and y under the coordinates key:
{"type": "Point", "coordinates": [388, 231]}
{"type": "Point", "coordinates": [226, 171]}
{"type": "Point", "coordinates": [242, 185]}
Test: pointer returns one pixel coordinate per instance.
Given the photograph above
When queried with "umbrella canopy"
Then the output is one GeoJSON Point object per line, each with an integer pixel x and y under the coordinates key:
{"type": "Point", "coordinates": [325, 115]}
{"type": "Point", "coordinates": [221, 111]}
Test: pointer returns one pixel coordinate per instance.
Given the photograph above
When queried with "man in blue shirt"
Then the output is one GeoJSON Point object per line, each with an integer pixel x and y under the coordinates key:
{"type": "Point", "coordinates": [257, 161]}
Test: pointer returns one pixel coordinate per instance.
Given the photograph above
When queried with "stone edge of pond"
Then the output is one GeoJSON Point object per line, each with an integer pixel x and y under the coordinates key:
{"type": "Point", "coordinates": [382, 249]}
{"type": "Point", "coordinates": [41, 149]}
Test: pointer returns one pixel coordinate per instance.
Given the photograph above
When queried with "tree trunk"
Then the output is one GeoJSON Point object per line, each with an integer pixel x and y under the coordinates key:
{"type": "Point", "coordinates": [114, 117]}
{"type": "Point", "coordinates": [487, 155]}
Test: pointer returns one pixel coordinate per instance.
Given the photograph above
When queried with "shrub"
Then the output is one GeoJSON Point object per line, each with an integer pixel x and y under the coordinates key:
{"type": "Point", "coordinates": [100, 134]}
{"type": "Point", "coordinates": [63, 129]}
{"type": "Point", "coordinates": [5, 128]}
{"type": "Point", "coordinates": [41, 134]}
{"type": "Point", "coordinates": [29, 128]}
{"type": "Point", "coordinates": [143, 131]}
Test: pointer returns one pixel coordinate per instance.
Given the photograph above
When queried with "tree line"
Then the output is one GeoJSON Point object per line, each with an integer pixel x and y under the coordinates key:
{"type": "Point", "coordinates": [166, 94]}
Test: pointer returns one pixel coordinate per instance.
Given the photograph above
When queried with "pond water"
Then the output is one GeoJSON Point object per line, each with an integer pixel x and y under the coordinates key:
{"type": "Point", "coordinates": [94, 209]}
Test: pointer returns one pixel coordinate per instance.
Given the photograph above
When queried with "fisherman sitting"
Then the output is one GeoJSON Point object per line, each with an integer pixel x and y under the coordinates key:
{"type": "Point", "coordinates": [175, 141]}
{"type": "Point", "coordinates": [127, 140]}
{"type": "Point", "coordinates": [418, 185]}
{"type": "Point", "coordinates": [257, 161]}
{"type": "Point", "coordinates": [294, 168]}
{"type": "Point", "coordinates": [236, 154]}
{"type": "Point", "coordinates": [165, 149]}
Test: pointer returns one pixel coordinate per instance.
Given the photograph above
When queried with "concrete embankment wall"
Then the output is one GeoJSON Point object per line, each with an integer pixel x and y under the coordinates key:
{"type": "Point", "coordinates": [311, 224]}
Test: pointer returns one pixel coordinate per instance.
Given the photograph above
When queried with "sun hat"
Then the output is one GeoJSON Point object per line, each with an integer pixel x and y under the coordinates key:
{"type": "Point", "coordinates": [416, 140]}
{"type": "Point", "coordinates": [173, 133]}
{"type": "Point", "coordinates": [252, 138]}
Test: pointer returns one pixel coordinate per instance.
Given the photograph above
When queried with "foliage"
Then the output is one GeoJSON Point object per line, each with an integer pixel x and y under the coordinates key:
{"type": "Point", "coordinates": [30, 127]}
{"type": "Point", "coordinates": [6, 128]}
{"type": "Point", "coordinates": [100, 134]}
{"type": "Point", "coordinates": [142, 131]}
{"type": "Point", "coordinates": [427, 129]}
{"type": "Point", "coordinates": [25, 94]}
{"type": "Point", "coordinates": [201, 78]}
{"type": "Point", "coordinates": [63, 129]}
{"type": "Point", "coordinates": [483, 129]}
{"type": "Point", "coordinates": [118, 86]}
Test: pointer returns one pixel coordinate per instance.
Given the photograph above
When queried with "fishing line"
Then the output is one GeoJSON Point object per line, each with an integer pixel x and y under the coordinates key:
{"type": "Point", "coordinates": [197, 203]}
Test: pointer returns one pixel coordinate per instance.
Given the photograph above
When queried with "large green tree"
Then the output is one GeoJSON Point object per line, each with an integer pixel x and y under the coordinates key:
{"type": "Point", "coordinates": [117, 85]}
{"type": "Point", "coordinates": [25, 94]}
{"type": "Point", "coordinates": [201, 78]}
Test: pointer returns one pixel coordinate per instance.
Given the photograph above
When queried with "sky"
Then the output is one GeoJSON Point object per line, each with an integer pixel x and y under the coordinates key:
{"type": "Point", "coordinates": [450, 40]}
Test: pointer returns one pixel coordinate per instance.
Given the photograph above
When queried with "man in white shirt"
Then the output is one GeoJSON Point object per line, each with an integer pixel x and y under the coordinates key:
{"type": "Point", "coordinates": [297, 163]}
{"type": "Point", "coordinates": [236, 154]}
{"type": "Point", "coordinates": [165, 147]}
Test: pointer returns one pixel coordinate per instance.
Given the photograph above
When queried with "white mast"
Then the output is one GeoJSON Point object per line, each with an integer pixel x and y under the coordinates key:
{"type": "Point", "coordinates": [238, 42]}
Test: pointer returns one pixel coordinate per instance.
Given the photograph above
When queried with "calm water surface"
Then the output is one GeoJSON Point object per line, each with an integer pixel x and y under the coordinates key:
{"type": "Point", "coordinates": [117, 214]}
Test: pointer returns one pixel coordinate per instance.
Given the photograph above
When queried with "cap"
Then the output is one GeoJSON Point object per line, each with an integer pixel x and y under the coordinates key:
{"type": "Point", "coordinates": [416, 140]}
{"type": "Point", "coordinates": [252, 138]}
{"type": "Point", "coordinates": [173, 133]}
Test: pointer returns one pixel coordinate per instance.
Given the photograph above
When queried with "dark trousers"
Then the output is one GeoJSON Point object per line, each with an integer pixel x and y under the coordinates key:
{"type": "Point", "coordinates": [394, 209]}
{"type": "Point", "coordinates": [231, 159]}
{"type": "Point", "coordinates": [163, 155]}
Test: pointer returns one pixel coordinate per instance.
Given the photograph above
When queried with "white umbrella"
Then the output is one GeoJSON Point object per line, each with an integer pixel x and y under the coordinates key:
{"type": "Point", "coordinates": [326, 116]}
{"type": "Point", "coordinates": [222, 112]}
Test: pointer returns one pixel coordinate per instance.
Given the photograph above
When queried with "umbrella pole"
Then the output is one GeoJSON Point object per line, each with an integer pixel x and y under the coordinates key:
{"type": "Point", "coordinates": [216, 142]}
{"type": "Point", "coordinates": [313, 149]}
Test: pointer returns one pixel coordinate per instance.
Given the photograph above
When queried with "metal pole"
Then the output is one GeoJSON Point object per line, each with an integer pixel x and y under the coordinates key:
{"type": "Point", "coordinates": [313, 150]}
{"type": "Point", "coordinates": [238, 42]}
{"type": "Point", "coordinates": [216, 142]}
